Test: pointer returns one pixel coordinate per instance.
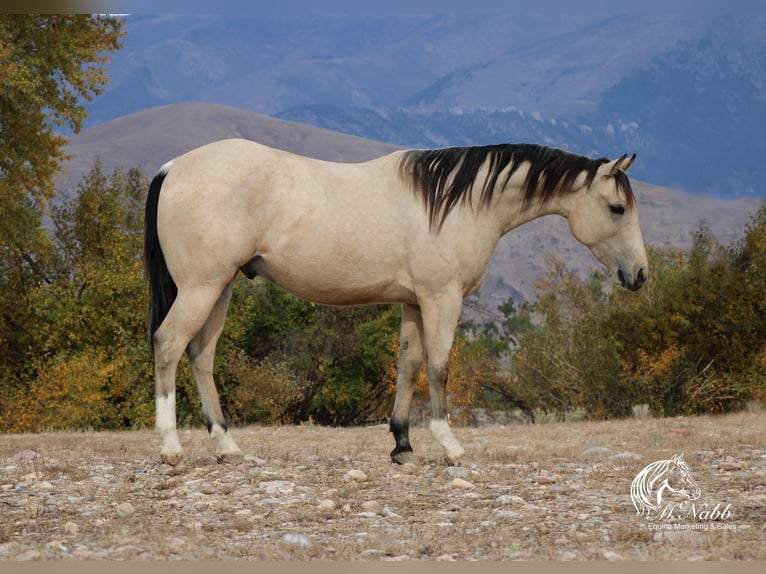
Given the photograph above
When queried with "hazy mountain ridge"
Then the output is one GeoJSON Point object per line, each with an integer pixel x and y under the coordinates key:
{"type": "Point", "coordinates": [687, 93]}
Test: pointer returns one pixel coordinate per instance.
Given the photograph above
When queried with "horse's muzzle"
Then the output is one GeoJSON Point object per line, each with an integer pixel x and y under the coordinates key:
{"type": "Point", "coordinates": [636, 283]}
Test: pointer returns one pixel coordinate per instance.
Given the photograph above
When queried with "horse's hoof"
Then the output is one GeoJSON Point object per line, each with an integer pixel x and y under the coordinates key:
{"type": "Point", "coordinates": [231, 458]}
{"type": "Point", "coordinates": [171, 458]}
{"type": "Point", "coordinates": [403, 457]}
{"type": "Point", "coordinates": [453, 459]}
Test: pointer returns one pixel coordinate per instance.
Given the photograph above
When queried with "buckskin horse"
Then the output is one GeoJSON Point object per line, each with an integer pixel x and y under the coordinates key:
{"type": "Point", "coordinates": [413, 227]}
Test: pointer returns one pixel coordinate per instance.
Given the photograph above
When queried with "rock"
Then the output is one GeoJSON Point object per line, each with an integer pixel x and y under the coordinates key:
{"type": "Point", "coordinates": [457, 471]}
{"type": "Point", "coordinates": [355, 475]}
{"type": "Point", "coordinates": [326, 504]}
{"type": "Point", "coordinates": [277, 487]}
{"type": "Point", "coordinates": [409, 468]}
{"type": "Point", "coordinates": [125, 509]}
{"type": "Point", "coordinates": [367, 514]}
{"type": "Point", "coordinates": [71, 528]}
{"type": "Point", "coordinates": [269, 501]}
{"type": "Point", "coordinates": [297, 539]}
{"type": "Point", "coordinates": [729, 465]}
{"type": "Point", "coordinates": [462, 484]}
{"type": "Point", "coordinates": [509, 499]}
{"type": "Point", "coordinates": [507, 515]}
{"type": "Point", "coordinates": [25, 456]}
{"type": "Point", "coordinates": [612, 556]}
{"type": "Point", "coordinates": [388, 513]}
{"type": "Point", "coordinates": [371, 506]}
{"type": "Point", "coordinates": [597, 451]}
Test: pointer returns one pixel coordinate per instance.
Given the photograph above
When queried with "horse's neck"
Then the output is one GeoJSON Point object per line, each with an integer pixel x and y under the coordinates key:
{"type": "Point", "coordinates": [511, 213]}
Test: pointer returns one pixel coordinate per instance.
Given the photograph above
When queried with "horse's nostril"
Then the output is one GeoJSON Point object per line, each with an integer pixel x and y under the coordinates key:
{"type": "Point", "coordinates": [621, 277]}
{"type": "Point", "coordinates": [640, 277]}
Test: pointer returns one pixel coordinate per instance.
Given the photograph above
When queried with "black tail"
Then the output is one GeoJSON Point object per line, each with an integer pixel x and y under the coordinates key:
{"type": "Point", "coordinates": [163, 289]}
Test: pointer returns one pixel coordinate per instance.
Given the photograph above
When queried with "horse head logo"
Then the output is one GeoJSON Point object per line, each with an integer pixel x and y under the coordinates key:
{"type": "Point", "coordinates": [662, 487]}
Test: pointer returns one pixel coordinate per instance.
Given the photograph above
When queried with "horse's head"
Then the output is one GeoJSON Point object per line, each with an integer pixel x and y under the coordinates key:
{"type": "Point", "coordinates": [603, 216]}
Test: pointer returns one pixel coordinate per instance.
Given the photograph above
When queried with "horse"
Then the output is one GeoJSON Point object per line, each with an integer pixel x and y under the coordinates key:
{"type": "Point", "coordinates": [414, 227]}
{"type": "Point", "coordinates": [663, 486]}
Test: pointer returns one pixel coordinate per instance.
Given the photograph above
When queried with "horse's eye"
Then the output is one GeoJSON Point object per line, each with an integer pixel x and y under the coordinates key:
{"type": "Point", "coordinates": [617, 209]}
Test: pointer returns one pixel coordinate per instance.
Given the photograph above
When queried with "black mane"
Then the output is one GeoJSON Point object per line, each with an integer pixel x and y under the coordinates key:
{"type": "Point", "coordinates": [444, 177]}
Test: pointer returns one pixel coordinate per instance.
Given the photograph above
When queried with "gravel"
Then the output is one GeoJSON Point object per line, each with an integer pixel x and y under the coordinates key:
{"type": "Point", "coordinates": [306, 493]}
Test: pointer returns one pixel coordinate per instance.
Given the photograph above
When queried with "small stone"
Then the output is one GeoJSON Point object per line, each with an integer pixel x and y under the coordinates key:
{"type": "Point", "coordinates": [277, 487]}
{"type": "Point", "coordinates": [25, 456]}
{"type": "Point", "coordinates": [269, 501]}
{"type": "Point", "coordinates": [507, 515]}
{"type": "Point", "coordinates": [355, 475]}
{"type": "Point", "coordinates": [612, 556]}
{"type": "Point", "coordinates": [597, 451]}
{"type": "Point", "coordinates": [297, 539]}
{"type": "Point", "coordinates": [125, 509]}
{"type": "Point", "coordinates": [409, 468]}
{"type": "Point", "coordinates": [371, 506]}
{"type": "Point", "coordinates": [71, 528]}
{"type": "Point", "coordinates": [729, 465]}
{"type": "Point", "coordinates": [446, 558]}
{"type": "Point", "coordinates": [388, 513]}
{"type": "Point", "coordinates": [509, 499]}
{"type": "Point", "coordinates": [457, 471]}
{"type": "Point", "coordinates": [462, 484]}
{"type": "Point", "coordinates": [326, 504]}
{"type": "Point", "coordinates": [367, 514]}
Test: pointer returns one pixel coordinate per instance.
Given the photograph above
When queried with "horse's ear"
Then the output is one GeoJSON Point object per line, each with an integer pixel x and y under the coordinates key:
{"type": "Point", "coordinates": [610, 168]}
{"type": "Point", "coordinates": [627, 162]}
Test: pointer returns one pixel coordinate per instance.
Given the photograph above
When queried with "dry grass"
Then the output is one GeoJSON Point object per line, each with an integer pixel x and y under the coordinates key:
{"type": "Point", "coordinates": [64, 503]}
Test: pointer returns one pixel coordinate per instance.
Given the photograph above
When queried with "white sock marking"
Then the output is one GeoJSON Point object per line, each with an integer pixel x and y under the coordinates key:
{"type": "Point", "coordinates": [442, 433]}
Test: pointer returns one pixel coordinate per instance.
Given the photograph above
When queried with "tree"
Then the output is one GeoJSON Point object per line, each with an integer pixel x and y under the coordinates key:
{"type": "Point", "coordinates": [85, 362]}
{"type": "Point", "coordinates": [50, 66]}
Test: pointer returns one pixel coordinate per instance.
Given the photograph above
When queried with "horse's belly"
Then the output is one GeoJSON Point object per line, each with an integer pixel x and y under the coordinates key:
{"type": "Point", "coordinates": [333, 284]}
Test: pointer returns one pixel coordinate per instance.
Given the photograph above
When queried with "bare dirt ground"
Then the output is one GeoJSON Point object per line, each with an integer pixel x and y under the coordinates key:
{"type": "Point", "coordinates": [556, 491]}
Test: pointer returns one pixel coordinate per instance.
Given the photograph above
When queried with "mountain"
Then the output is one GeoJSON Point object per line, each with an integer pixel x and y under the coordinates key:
{"type": "Point", "coordinates": [686, 93]}
{"type": "Point", "coordinates": [149, 138]}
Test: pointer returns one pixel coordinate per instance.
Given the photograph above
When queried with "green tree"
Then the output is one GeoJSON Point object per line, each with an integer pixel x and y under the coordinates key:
{"type": "Point", "coordinates": [50, 66]}
{"type": "Point", "coordinates": [87, 324]}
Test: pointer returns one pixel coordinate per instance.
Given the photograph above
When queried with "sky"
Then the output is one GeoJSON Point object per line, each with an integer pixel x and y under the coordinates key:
{"type": "Point", "coordinates": [299, 7]}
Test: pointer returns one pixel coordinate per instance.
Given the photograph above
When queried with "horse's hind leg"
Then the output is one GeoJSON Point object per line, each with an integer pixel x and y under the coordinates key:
{"type": "Point", "coordinates": [410, 359]}
{"type": "Point", "coordinates": [184, 320]}
{"type": "Point", "coordinates": [201, 351]}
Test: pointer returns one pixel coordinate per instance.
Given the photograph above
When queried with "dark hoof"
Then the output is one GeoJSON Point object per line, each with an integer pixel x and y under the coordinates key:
{"type": "Point", "coordinates": [402, 457]}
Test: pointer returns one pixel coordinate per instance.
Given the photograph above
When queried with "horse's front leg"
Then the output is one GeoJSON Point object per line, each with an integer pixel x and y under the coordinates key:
{"type": "Point", "coordinates": [410, 359]}
{"type": "Point", "coordinates": [440, 318]}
